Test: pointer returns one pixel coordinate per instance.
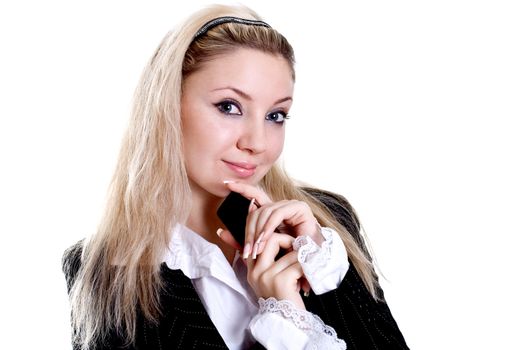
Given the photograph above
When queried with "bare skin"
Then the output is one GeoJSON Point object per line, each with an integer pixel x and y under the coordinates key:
{"type": "Point", "coordinates": [233, 124]}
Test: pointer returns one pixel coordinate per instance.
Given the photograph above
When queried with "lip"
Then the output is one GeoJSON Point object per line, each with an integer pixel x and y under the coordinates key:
{"type": "Point", "coordinates": [241, 169]}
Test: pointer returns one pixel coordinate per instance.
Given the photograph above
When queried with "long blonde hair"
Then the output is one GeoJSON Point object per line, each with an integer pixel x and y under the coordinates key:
{"type": "Point", "coordinates": [149, 192]}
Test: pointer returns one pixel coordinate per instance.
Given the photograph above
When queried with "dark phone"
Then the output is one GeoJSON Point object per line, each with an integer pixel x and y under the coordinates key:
{"type": "Point", "coordinates": [233, 212]}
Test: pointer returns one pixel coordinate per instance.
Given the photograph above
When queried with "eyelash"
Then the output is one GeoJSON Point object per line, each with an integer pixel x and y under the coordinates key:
{"type": "Point", "coordinates": [220, 107]}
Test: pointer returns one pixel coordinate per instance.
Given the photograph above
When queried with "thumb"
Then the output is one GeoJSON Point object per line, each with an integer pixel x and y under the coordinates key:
{"type": "Point", "coordinates": [228, 238]}
{"type": "Point", "coordinates": [305, 286]}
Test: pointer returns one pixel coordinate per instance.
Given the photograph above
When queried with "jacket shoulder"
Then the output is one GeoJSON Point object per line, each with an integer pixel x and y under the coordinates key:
{"type": "Point", "coordinates": [71, 261]}
{"type": "Point", "coordinates": [342, 211]}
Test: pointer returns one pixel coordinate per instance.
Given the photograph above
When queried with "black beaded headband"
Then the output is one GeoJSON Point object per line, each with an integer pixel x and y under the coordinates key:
{"type": "Point", "coordinates": [228, 19]}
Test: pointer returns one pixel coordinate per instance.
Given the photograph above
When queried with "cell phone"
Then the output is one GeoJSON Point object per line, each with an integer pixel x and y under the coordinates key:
{"type": "Point", "coordinates": [233, 212]}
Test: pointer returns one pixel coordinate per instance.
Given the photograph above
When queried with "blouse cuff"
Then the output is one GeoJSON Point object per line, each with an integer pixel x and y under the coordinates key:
{"type": "Point", "coordinates": [324, 267]}
{"type": "Point", "coordinates": [280, 325]}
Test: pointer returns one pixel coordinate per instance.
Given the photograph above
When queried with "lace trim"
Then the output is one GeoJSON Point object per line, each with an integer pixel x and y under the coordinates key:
{"type": "Point", "coordinates": [310, 255]}
{"type": "Point", "coordinates": [321, 336]}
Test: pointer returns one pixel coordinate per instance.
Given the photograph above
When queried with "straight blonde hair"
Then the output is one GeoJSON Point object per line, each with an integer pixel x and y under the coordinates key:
{"type": "Point", "coordinates": [149, 193]}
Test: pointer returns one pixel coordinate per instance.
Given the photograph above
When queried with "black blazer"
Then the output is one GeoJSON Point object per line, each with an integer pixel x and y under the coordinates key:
{"type": "Point", "coordinates": [357, 318]}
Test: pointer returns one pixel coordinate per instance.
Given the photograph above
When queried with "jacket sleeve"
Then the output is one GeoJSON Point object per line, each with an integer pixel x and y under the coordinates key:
{"type": "Point", "coordinates": [360, 320]}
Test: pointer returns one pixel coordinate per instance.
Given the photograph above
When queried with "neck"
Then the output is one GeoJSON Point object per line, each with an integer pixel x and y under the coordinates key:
{"type": "Point", "coordinates": [204, 221]}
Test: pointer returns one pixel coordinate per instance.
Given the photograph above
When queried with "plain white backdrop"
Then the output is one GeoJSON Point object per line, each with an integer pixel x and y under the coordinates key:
{"type": "Point", "coordinates": [413, 110]}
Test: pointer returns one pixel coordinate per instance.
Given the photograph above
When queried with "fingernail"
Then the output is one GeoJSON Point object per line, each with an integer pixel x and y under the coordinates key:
{"type": "Point", "coordinates": [246, 251]}
{"type": "Point", "coordinates": [260, 238]}
{"type": "Point", "coordinates": [219, 231]}
{"type": "Point", "coordinates": [307, 293]}
{"type": "Point", "coordinates": [229, 181]}
{"type": "Point", "coordinates": [255, 248]}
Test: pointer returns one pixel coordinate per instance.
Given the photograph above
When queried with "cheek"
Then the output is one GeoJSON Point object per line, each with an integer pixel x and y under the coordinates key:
{"type": "Point", "coordinates": [205, 135]}
{"type": "Point", "coordinates": [276, 144]}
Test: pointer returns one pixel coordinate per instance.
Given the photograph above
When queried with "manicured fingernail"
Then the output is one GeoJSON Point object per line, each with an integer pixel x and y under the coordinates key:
{"type": "Point", "coordinates": [255, 248]}
{"type": "Point", "coordinates": [229, 181]}
{"type": "Point", "coordinates": [219, 231]}
{"type": "Point", "coordinates": [307, 293]}
{"type": "Point", "coordinates": [246, 251]}
{"type": "Point", "coordinates": [260, 238]}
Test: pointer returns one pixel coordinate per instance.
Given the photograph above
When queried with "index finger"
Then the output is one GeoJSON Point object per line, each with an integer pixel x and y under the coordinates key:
{"type": "Point", "coordinates": [250, 191]}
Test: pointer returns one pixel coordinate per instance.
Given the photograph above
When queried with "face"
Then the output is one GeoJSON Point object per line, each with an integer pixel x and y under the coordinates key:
{"type": "Point", "coordinates": [233, 119]}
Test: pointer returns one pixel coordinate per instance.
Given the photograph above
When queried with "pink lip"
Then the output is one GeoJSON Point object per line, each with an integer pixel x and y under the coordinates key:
{"type": "Point", "coordinates": [241, 169]}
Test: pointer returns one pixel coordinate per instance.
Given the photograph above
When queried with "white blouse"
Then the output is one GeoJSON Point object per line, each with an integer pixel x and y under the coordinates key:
{"type": "Point", "coordinates": [239, 317]}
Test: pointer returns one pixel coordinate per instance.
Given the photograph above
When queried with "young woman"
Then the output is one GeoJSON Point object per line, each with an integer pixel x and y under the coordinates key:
{"type": "Point", "coordinates": [162, 272]}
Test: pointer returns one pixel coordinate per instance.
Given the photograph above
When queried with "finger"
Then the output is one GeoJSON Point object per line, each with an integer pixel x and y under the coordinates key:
{"type": "Point", "coordinates": [251, 227]}
{"type": "Point", "coordinates": [259, 246]}
{"type": "Point", "coordinates": [295, 270]}
{"type": "Point", "coordinates": [253, 206]}
{"type": "Point", "coordinates": [294, 214]}
{"type": "Point", "coordinates": [258, 197]}
{"type": "Point", "coordinates": [248, 242]}
{"type": "Point", "coordinates": [305, 286]}
{"type": "Point", "coordinates": [262, 215]}
{"type": "Point", "coordinates": [276, 242]}
{"type": "Point", "coordinates": [250, 263]}
{"type": "Point", "coordinates": [248, 238]}
{"type": "Point", "coordinates": [250, 191]}
{"type": "Point", "coordinates": [272, 271]}
{"type": "Point", "coordinates": [249, 230]}
{"type": "Point", "coordinates": [228, 238]}
{"type": "Point", "coordinates": [283, 262]}
{"type": "Point", "coordinates": [246, 250]}
{"type": "Point", "coordinates": [256, 220]}
{"type": "Point", "coordinates": [297, 216]}
{"type": "Point", "coordinates": [292, 273]}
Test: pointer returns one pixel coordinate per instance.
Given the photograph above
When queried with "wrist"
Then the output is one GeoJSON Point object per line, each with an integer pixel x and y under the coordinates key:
{"type": "Point", "coordinates": [317, 236]}
{"type": "Point", "coordinates": [294, 298]}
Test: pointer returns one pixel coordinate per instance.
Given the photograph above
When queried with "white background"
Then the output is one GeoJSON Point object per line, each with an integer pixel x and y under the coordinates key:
{"type": "Point", "coordinates": [411, 109]}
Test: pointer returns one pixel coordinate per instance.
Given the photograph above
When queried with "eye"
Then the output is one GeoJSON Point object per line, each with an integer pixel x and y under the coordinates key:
{"type": "Point", "coordinates": [277, 117]}
{"type": "Point", "coordinates": [228, 107]}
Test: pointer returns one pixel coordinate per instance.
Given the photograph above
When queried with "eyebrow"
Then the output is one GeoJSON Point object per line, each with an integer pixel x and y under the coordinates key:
{"type": "Point", "coordinates": [248, 97]}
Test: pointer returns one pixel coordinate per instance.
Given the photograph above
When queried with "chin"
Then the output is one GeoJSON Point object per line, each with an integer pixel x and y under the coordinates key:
{"type": "Point", "coordinates": [217, 189]}
{"type": "Point", "coordinates": [222, 192]}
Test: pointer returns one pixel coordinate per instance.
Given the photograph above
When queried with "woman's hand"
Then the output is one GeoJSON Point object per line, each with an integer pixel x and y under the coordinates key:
{"type": "Point", "coordinates": [266, 217]}
{"type": "Point", "coordinates": [277, 278]}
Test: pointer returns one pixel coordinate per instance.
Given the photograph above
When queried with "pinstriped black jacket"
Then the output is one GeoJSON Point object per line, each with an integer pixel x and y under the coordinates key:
{"type": "Point", "coordinates": [359, 320]}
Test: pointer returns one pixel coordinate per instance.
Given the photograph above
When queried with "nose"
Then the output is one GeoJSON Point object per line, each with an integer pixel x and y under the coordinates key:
{"type": "Point", "coordinates": [253, 137]}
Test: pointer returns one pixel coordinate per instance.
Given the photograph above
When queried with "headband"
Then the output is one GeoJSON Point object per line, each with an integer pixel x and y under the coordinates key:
{"type": "Point", "coordinates": [227, 19]}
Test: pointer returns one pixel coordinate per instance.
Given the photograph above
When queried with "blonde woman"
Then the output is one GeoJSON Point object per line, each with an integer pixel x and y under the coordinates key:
{"type": "Point", "coordinates": [162, 272]}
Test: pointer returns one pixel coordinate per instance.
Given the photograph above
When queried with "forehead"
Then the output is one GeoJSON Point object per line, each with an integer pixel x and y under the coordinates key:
{"type": "Point", "coordinates": [248, 69]}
